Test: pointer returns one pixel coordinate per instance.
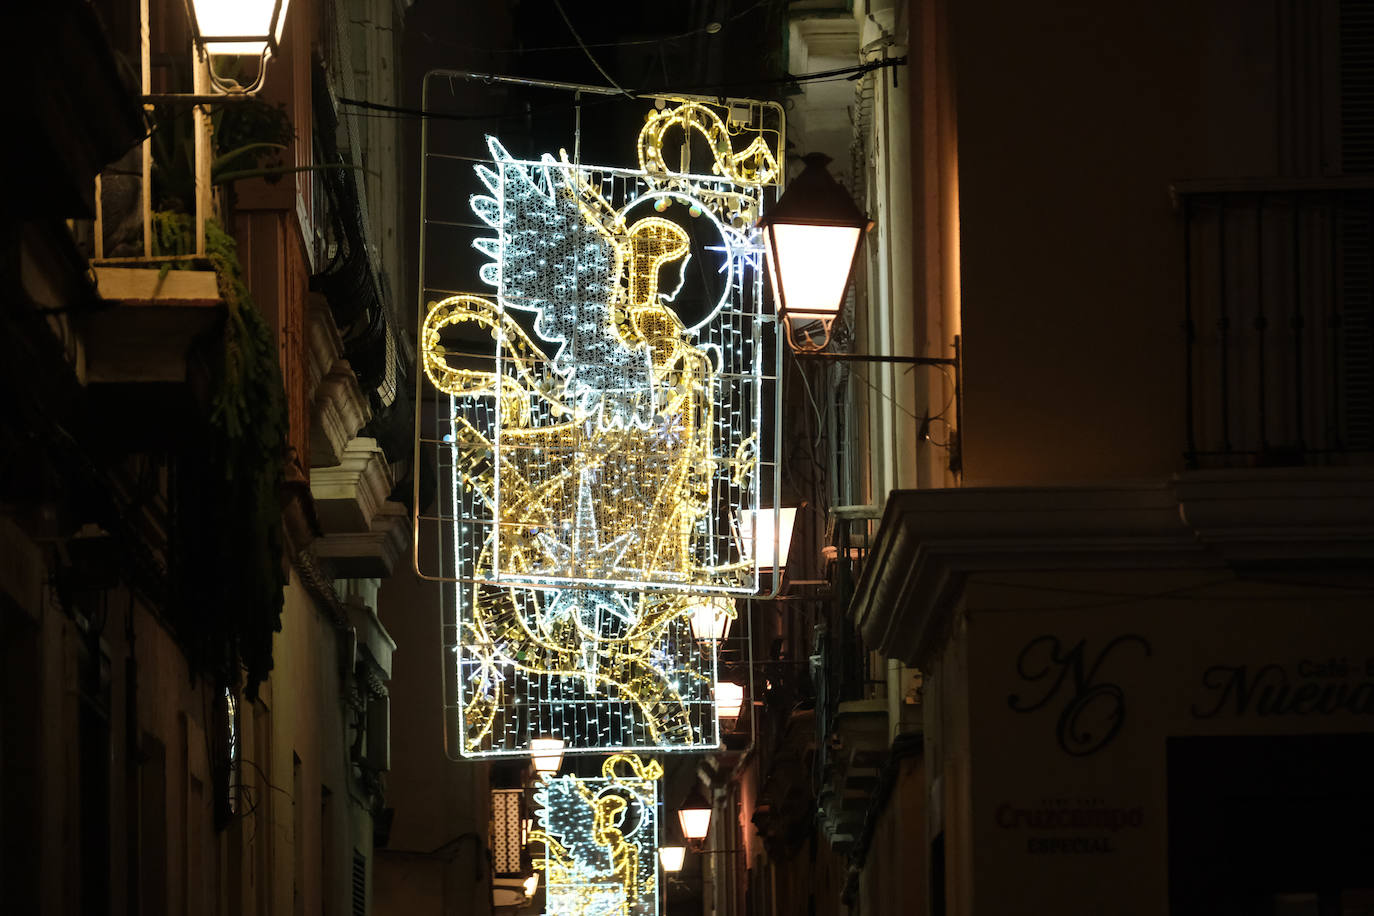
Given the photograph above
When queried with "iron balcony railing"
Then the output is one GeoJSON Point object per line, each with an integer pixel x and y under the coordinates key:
{"type": "Point", "coordinates": [1278, 322]}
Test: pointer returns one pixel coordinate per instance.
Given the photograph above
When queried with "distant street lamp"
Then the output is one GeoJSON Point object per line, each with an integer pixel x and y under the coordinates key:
{"type": "Point", "coordinates": [672, 857]}
{"type": "Point", "coordinates": [695, 817]}
{"type": "Point", "coordinates": [811, 241]}
{"type": "Point", "coordinates": [547, 754]}
{"type": "Point", "coordinates": [729, 699]}
{"type": "Point", "coordinates": [768, 546]}
{"type": "Point", "coordinates": [711, 618]}
{"type": "Point", "coordinates": [238, 28]}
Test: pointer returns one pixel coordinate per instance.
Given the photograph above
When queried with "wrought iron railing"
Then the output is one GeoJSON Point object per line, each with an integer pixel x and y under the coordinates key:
{"type": "Point", "coordinates": [1279, 322]}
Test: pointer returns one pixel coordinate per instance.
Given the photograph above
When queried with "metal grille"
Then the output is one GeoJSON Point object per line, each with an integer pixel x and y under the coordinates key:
{"type": "Point", "coordinates": [359, 884]}
{"type": "Point", "coordinates": [505, 832]}
{"type": "Point", "coordinates": [1357, 86]}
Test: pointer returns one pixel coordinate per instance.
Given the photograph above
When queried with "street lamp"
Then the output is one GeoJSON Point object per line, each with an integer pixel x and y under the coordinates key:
{"type": "Point", "coordinates": [729, 699]}
{"type": "Point", "coordinates": [672, 857]}
{"type": "Point", "coordinates": [811, 241]}
{"type": "Point", "coordinates": [237, 28]}
{"type": "Point", "coordinates": [711, 618]}
{"type": "Point", "coordinates": [695, 817]}
{"type": "Point", "coordinates": [547, 754]}
{"type": "Point", "coordinates": [767, 545]}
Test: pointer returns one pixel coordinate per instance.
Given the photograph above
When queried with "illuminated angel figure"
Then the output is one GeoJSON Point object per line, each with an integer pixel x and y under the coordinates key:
{"type": "Point", "coordinates": [600, 839]}
{"type": "Point", "coordinates": [557, 256]}
{"type": "Point", "coordinates": [608, 442]}
{"type": "Point", "coordinates": [597, 457]}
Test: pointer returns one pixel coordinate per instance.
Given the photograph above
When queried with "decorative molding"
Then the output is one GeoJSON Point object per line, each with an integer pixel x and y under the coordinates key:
{"type": "Point", "coordinates": [372, 553]}
{"type": "Point", "coordinates": [930, 541]}
{"type": "Point", "coordinates": [1282, 515]}
{"type": "Point", "coordinates": [323, 343]}
{"type": "Point", "coordinates": [338, 412]}
{"type": "Point", "coordinates": [349, 495]}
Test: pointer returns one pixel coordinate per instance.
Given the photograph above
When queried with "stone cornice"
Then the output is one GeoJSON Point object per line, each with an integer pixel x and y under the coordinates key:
{"type": "Point", "coordinates": [349, 495]}
{"type": "Point", "coordinates": [930, 541]}
{"type": "Point", "coordinates": [372, 553]}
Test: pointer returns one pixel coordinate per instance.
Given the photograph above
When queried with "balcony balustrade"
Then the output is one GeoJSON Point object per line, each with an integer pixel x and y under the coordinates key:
{"type": "Point", "coordinates": [1279, 323]}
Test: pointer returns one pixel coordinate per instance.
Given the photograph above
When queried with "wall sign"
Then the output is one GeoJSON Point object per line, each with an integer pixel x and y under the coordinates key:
{"type": "Point", "coordinates": [1307, 687]}
{"type": "Point", "coordinates": [1094, 709]}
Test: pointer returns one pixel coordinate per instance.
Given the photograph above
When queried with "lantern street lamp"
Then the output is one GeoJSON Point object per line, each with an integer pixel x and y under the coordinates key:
{"type": "Point", "coordinates": [237, 28]}
{"type": "Point", "coordinates": [672, 857]}
{"type": "Point", "coordinates": [711, 618]}
{"type": "Point", "coordinates": [764, 542]}
{"type": "Point", "coordinates": [695, 817]}
{"type": "Point", "coordinates": [729, 699]}
{"type": "Point", "coordinates": [811, 241]}
{"type": "Point", "coordinates": [547, 754]}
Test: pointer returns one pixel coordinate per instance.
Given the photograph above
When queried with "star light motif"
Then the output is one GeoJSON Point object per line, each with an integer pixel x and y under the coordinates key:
{"type": "Point", "coordinates": [583, 547]}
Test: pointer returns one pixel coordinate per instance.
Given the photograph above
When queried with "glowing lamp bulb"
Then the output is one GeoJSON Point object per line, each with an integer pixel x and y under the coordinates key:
{"type": "Point", "coordinates": [531, 884]}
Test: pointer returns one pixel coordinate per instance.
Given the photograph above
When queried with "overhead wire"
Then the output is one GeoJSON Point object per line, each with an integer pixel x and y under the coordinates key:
{"type": "Point", "coordinates": [840, 73]}
{"type": "Point", "coordinates": [586, 50]}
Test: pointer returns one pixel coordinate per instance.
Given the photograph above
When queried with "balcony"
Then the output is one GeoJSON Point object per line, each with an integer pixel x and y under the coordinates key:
{"type": "Point", "coordinates": [1279, 323]}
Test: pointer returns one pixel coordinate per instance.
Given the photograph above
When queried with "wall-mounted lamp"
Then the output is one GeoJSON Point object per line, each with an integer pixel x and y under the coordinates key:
{"type": "Point", "coordinates": [547, 755]}
{"type": "Point", "coordinates": [237, 28]}
{"type": "Point", "coordinates": [672, 857]}
{"type": "Point", "coordinates": [729, 699]}
{"type": "Point", "coordinates": [695, 817]}
{"type": "Point", "coordinates": [766, 545]}
{"type": "Point", "coordinates": [811, 240]}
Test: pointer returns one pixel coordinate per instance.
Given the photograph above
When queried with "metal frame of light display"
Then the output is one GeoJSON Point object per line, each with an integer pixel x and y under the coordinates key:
{"type": "Point", "coordinates": [600, 839]}
{"type": "Point", "coordinates": [597, 449]}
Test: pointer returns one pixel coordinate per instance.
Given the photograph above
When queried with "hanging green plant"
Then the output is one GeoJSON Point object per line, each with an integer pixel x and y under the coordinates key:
{"type": "Point", "coordinates": [231, 556]}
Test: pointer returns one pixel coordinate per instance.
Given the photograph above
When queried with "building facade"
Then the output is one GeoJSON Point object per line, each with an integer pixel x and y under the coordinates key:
{"type": "Point", "coordinates": [1098, 645]}
{"type": "Point", "coordinates": [203, 471]}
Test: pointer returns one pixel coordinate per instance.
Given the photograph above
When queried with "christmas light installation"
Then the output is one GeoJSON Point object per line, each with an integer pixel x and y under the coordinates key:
{"type": "Point", "coordinates": [601, 840]}
{"type": "Point", "coordinates": [602, 442]}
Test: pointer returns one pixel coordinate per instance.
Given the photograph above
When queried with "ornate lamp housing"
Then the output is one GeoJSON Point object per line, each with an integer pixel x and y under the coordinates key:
{"type": "Point", "coordinates": [811, 240]}
{"type": "Point", "coordinates": [547, 755]}
{"type": "Point", "coordinates": [695, 817]}
{"type": "Point", "coordinates": [237, 28]}
{"type": "Point", "coordinates": [711, 618]}
{"type": "Point", "coordinates": [729, 699]}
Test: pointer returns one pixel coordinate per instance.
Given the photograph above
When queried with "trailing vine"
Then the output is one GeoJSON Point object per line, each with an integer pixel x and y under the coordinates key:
{"type": "Point", "coordinates": [230, 553]}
